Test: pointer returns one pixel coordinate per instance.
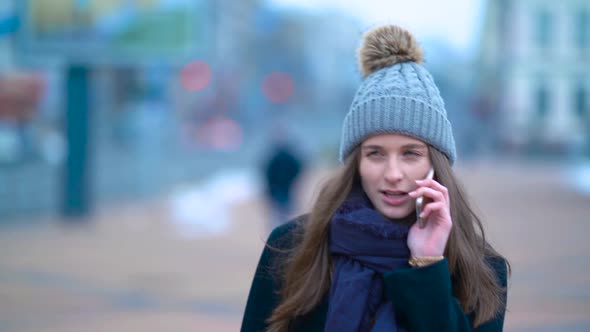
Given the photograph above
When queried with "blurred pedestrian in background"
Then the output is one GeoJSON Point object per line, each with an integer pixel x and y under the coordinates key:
{"type": "Point", "coordinates": [360, 260]}
{"type": "Point", "coordinates": [281, 172]}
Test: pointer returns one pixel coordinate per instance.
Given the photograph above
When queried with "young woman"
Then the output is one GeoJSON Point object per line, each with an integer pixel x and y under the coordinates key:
{"type": "Point", "coordinates": [360, 261]}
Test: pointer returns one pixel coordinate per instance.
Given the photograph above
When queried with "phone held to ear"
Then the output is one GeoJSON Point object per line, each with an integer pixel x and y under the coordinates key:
{"type": "Point", "coordinates": [420, 201]}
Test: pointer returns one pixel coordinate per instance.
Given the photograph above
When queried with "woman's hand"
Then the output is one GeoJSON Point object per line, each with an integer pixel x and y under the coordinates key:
{"type": "Point", "coordinates": [431, 239]}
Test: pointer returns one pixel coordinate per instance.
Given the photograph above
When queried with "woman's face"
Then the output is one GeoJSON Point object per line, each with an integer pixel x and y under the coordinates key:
{"type": "Point", "coordinates": [389, 165]}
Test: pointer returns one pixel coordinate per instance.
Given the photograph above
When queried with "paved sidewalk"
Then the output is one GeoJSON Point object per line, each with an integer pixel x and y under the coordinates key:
{"type": "Point", "coordinates": [129, 268]}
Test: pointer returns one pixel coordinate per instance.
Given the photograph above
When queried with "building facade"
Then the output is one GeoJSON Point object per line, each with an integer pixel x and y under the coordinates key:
{"type": "Point", "coordinates": [534, 66]}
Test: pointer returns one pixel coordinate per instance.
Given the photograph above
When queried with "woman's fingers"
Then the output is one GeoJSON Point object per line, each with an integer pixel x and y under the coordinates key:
{"type": "Point", "coordinates": [436, 193]}
{"type": "Point", "coordinates": [430, 207]}
{"type": "Point", "coordinates": [433, 194]}
{"type": "Point", "coordinates": [430, 183]}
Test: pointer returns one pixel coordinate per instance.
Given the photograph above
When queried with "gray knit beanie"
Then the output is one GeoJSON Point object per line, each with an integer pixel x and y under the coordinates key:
{"type": "Point", "coordinates": [397, 95]}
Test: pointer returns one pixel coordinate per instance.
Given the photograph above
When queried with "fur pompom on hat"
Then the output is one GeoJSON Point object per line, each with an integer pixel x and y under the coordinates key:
{"type": "Point", "coordinates": [385, 46]}
{"type": "Point", "coordinates": [397, 95]}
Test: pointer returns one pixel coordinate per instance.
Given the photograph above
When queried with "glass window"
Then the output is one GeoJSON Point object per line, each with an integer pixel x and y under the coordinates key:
{"type": "Point", "coordinates": [581, 101]}
{"type": "Point", "coordinates": [582, 29]}
{"type": "Point", "coordinates": [542, 100]}
{"type": "Point", "coordinates": [543, 29]}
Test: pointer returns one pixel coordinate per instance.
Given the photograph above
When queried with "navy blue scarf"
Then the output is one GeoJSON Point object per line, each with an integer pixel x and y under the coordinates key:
{"type": "Point", "coordinates": [364, 244]}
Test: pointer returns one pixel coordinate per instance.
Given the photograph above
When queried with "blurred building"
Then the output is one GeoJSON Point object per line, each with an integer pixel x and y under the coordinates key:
{"type": "Point", "coordinates": [160, 106]}
{"type": "Point", "coordinates": [234, 29]}
{"type": "Point", "coordinates": [6, 27]}
{"type": "Point", "coordinates": [534, 85]}
{"type": "Point", "coordinates": [330, 45]}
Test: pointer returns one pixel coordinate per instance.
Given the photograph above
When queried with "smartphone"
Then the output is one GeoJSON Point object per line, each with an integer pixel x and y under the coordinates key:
{"type": "Point", "coordinates": [420, 201]}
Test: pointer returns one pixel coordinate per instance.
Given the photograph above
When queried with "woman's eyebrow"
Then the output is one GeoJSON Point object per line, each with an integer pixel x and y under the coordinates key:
{"type": "Point", "coordinates": [367, 147]}
{"type": "Point", "coordinates": [407, 146]}
{"type": "Point", "coordinates": [414, 146]}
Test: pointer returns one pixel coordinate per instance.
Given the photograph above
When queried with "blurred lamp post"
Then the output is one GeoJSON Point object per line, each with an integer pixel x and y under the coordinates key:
{"type": "Point", "coordinates": [76, 185]}
{"type": "Point", "coordinates": [76, 202]}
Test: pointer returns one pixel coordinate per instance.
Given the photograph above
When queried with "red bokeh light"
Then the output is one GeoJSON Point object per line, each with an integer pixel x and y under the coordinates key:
{"type": "Point", "coordinates": [195, 76]}
{"type": "Point", "coordinates": [220, 133]}
{"type": "Point", "coordinates": [278, 87]}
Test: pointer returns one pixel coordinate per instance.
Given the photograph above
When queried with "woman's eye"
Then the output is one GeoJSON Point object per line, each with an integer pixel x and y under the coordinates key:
{"type": "Point", "coordinates": [373, 153]}
{"type": "Point", "coordinates": [412, 153]}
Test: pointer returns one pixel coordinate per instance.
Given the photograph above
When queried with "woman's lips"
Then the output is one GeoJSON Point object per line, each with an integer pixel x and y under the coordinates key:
{"type": "Point", "coordinates": [394, 200]}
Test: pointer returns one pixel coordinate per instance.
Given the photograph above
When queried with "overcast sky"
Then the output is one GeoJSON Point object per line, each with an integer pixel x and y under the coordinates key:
{"type": "Point", "coordinates": [457, 22]}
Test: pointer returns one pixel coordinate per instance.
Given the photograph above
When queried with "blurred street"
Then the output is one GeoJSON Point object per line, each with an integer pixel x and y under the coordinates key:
{"type": "Point", "coordinates": [131, 268]}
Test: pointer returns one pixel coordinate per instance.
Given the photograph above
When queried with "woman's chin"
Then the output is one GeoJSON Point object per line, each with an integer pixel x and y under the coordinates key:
{"type": "Point", "coordinates": [395, 212]}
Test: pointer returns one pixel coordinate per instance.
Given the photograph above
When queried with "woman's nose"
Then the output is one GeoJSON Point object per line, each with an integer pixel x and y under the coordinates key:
{"type": "Point", "coordinates": [393, 173]}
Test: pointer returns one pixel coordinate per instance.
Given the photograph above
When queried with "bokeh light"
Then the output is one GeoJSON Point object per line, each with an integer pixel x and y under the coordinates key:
{"type": "Point", "coordinates": [220, 133]}
{"type": "Point", "coordinates": [278, 87]}
{"type": "Point", "coordinates": [195, 76]}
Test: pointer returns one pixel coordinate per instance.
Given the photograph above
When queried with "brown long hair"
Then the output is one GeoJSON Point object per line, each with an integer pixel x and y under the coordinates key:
{"type": "Point", "coordinates": [306, 274]}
